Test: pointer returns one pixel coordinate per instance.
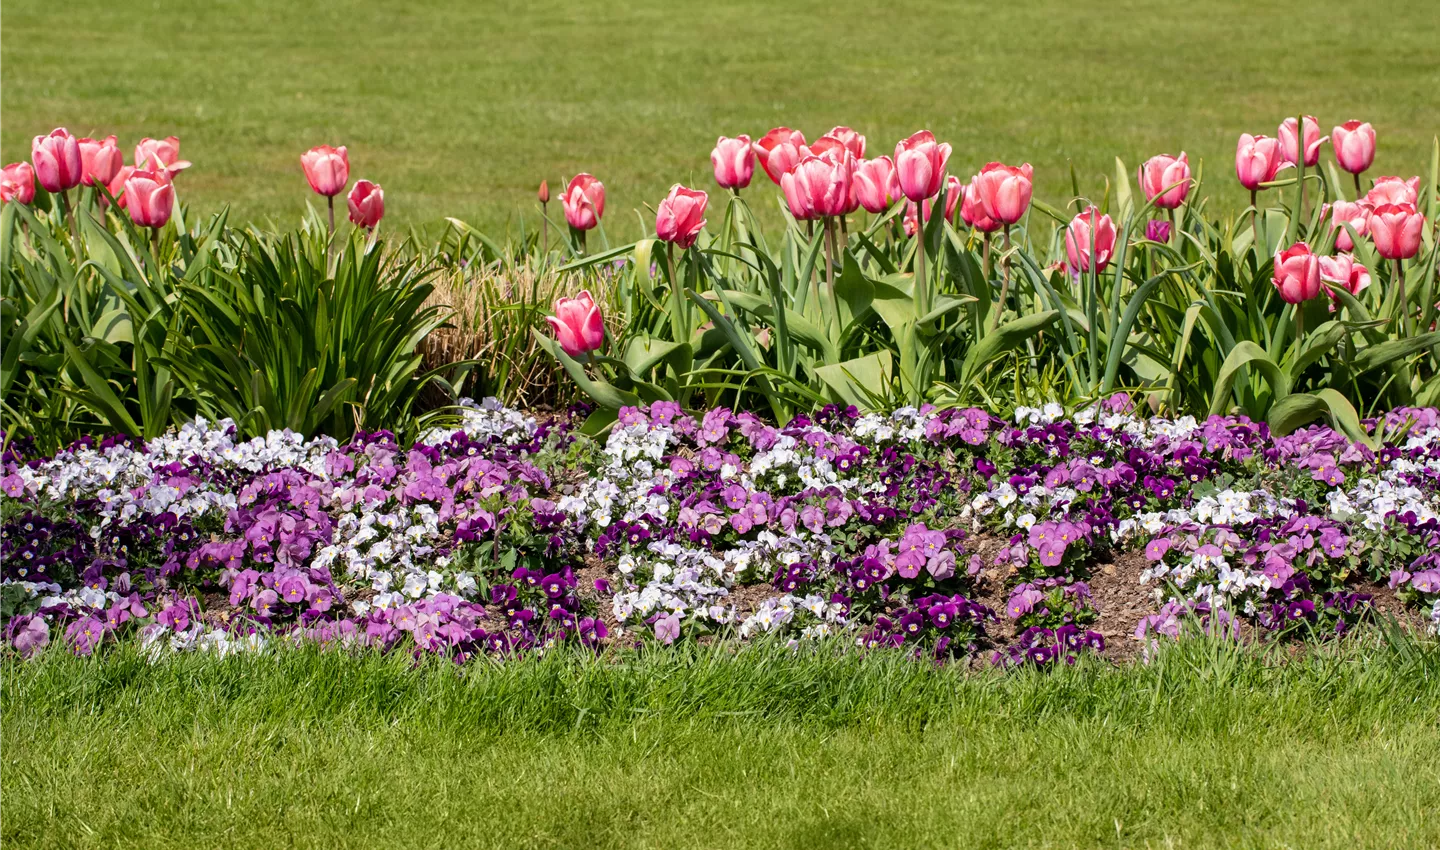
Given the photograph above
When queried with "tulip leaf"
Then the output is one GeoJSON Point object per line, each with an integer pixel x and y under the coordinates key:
{"type": "Point", "coordinates": [604, 393]}
{"type": "Point", "coordinates": [1247, 353]}
{"type": "Point", "coordinates": [857, 381]}
{"type": "Point", "coordinates": [1009, 335]}
{"type": "Point", "coordinates": [1299, 409]}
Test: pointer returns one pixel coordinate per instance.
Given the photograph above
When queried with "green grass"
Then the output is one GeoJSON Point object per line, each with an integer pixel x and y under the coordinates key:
{"type": "Point", "coordinates": [460, 108]}
{"type": "Point", "coordinates": [1208, 747]}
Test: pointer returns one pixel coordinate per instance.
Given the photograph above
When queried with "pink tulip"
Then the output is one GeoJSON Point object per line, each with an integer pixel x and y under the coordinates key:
{"type": "Point", "coordinates": [681, 216]}
{"type": "Point", "coordinates": [1157, 230]}
{"type": "Point", "coordinates": [101, 160]}
{"type": "Point", "coordinates": [972, 209]}
{"type": "Point", "coordinates": [150, 198]}
{"type": "Point", "coordinates": [157, 154]}
{"type": "Point", "coordinates": [853, 141]}
{"type": "Point", "coordinates": [117, 186]}
{"type": "Point", "coordinates": [1166, 180]}
{"type": "Point", "coordinates": [1297, 274]}
{"type": "Point", "coordinates": [1343, 272]}
{"type": "Point", "coordinates": [1354, 145]}
{"type": "Point", "coordinates": [920, 165]}
{"type": "Point", "coordinates": [734, 162]}
{"type": "Point", "coordinates": [578, 324]}
{"type": "Point", "coordinates": [327, 169]}
{"type": "Point", "coordinates": [825, 147]}
{"type": "Point", "coordinates": [1313, 141]}
{"type": "Point", "coordinates": [584, 202]}
{"type": "Point", "coordinates": [954, 191]}
{"type": "Point", "coordinates": [1078, 235]}
{"type": "Point", "coordinates": [1395, 229]}
{"type": "Point", "coordinates": [543, 193]}
{"type": "Point", "coordinates": [875, 185]}
{"type": "Point", "coordinates": [1354, 213]}
{"type": "Point", "coordinates": [1005, 191]}
{"type": "Point", "coordinates": [779, 150]}
{"type": "Point", "coordinates": [818, 187]}
{"type": "Point", "coordinates": [17, 183]}
{"type": "Point", "coordinates": [1393, 190]}
{"type": "Point", "coordinates": [367, 203]}
{"type": "Point", "coordinates": [58, 165]}
{"type": "Point", "coordinates": [1257, 160]}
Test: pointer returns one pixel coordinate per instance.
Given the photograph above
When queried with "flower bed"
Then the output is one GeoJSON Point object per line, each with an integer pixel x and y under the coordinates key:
{"type": "Point", "coordinates": [947, 534]}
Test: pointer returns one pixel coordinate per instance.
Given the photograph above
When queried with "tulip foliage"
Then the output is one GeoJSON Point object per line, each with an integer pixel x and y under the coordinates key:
{"type": "Point", "coordinates": [1005, 299]}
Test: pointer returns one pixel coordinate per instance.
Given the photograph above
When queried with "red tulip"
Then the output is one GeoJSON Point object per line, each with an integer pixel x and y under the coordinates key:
{"type": "Point", "coordinates": [818, 187]}
{"type": "Point", "coordinates": [578, 325]}
{"type": "Point", "coordinates": [853, 141]}
{"type": "Point", "coordinates": [102, 161]}
{"type": "Point", "coordinates": [733, 161]}
{"type": "Point", "coordinates": [584, 202]}
{"type": "Point", "coordinates": [1257, 160]}
{"type": "Point", "coordinates": [779, 150]}
{"type": "Point", "coordinates": [1354, 145]}
{"type": "Point", "coordinates": [150, 198]}
{"type": "Point", "coordinates": [367, 203]}
{"type": "Point", "coordinates": [1395, 229]}
{"type": "Point", "coordinates": [58, 165]}
{"type": "Point", "coordinates": [1166, 180]}
{"type": "Point", "coordinates": [681, 216]}
{"type": "Point", "coordinates": [1393, 190]}
{"type": "Point", "coordinates": [1354, 213]}
{"type": "Point", "coordinates": [327, 169]}
{"type": "Point", "coordinates": [544, 193]}
{"type": "Point", "coordinates": [920, 165]}
{"type": "Point", "coordinates": [1078, 235]}
{"type": "Point", "coordinates": [1313, 141]}
{"type": "Point", "coordinates": [1297, 274]}
{"type": "Point", "coordinates": [17, 183]}
{"type": "Point", "coordinates": [157, 154]}
{"type": "Point", "coordinates": [1343, 272]}
{"type": "Point", "coordinates": [1005, 191]}
{"type": "Point", "coordinates": [117, 186]}
{"type": "Point", "coordinates": [875, 185]}
{"type": "Point", "coordinates": [972, 209]}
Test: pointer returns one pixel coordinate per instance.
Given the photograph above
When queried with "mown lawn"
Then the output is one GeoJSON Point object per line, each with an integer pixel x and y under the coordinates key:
{"type": "Point", "coordinates": [459, 108]}
{"type": "Point", "coordinates": [1208, 747]}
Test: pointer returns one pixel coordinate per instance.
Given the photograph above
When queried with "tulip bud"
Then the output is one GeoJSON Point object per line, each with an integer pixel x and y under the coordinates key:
{"type": "Point", "coordinates": [1354, 144]}
{"type": "Point", "coordinates": [1005, 191]}
{"type": "Point", "coordinates": [578, 324]}
{"type": "Point", "coordinates": [1257, 160]}
{"type": "Point", "coordinates": [875, 185]}
{"type": "Point", "coordinates": [584, 202]}
{"type": "Point", "coordinates": [150, 198]}
{"type": "Point", "coordinates": [1395, 229]}
{"type": "Point", "coordinates": [58, 165]}
{"type": "Point", "coordinates": [779, 150]}
{"type": "Point", "coordinates": [367, 203]}
{"type": "Point", "coordinates": [17, 183]}
{"type": "Point", "coordinates": [101, 160]}
{"type": "Point", "coordinates": [920, 165]}
{"type": "Point", "coordinates": [1082, 229]}
{"type": "Point", "coordinates": [1342, 272]}
{"type": "Point", "coordinates": [1157, 230]}
{"type": "Point", "coordinates": [681, 216]}
{"type": "Point", "coordinates": [1297, 274]}
{"type": "Point", "coordinates": [544, 193]}
{"type": "Point", "coordinates": [326, 168]}
{"type": "Point", "coordinates": [1166, 180]}
{"type": "Point", "coordinates": [733, 161]}
{"type": "Point", "coordinates": [1354, 213]}
{"type": "Point", "coordinates": [1288, 142]}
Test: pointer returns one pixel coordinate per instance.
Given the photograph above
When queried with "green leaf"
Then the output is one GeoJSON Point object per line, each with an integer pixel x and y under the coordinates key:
{"type": "Point", "coordinates": [1247, 353]}
{"type": "Point", "coordinates": [1004, 338]}
{"type": "Point", "coordinates": [604, 393]}
{"type": "Point", "coordinates": [856, 381]}
{"type": "Point", "coordinates": [1299, 409]}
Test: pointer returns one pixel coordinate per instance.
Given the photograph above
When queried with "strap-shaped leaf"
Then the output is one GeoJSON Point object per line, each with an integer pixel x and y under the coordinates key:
{"type": "Point", "coordinates": [1299, 409]}
{"type": "Point", "coordinates": [1009, 335]}
{"type": "Point", "coordinates": [1247, 353]}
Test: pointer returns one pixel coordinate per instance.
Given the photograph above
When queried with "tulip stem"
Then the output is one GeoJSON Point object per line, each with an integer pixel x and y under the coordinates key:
{"type": "Point", "coordinates": [1004, 282]}
{"type": "Point", "coordinates": [922, 294]}
{"type": "Point", "coordinates": [1358, 191]}
{"type": "Point", "coordinates": [829, 225]}
{"type": "Point", "coordinates": [70, 217]}
{"type": "Point", "coordinates": [155, 245]}
{"type": "Point", "coordinates": [544, 231]}
{"type": "Point", "coordinates": [1299, 321]}
{"type": "Point", "coordinates": [1400, 293]}
{"type": "Point", "coordinates": [1255, 223]}
{"type": "Point", "coordinates": [985, 240]}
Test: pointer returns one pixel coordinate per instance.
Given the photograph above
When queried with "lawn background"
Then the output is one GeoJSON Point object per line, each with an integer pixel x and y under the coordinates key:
{"type": "Point", "coordinates": [460, 108]}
